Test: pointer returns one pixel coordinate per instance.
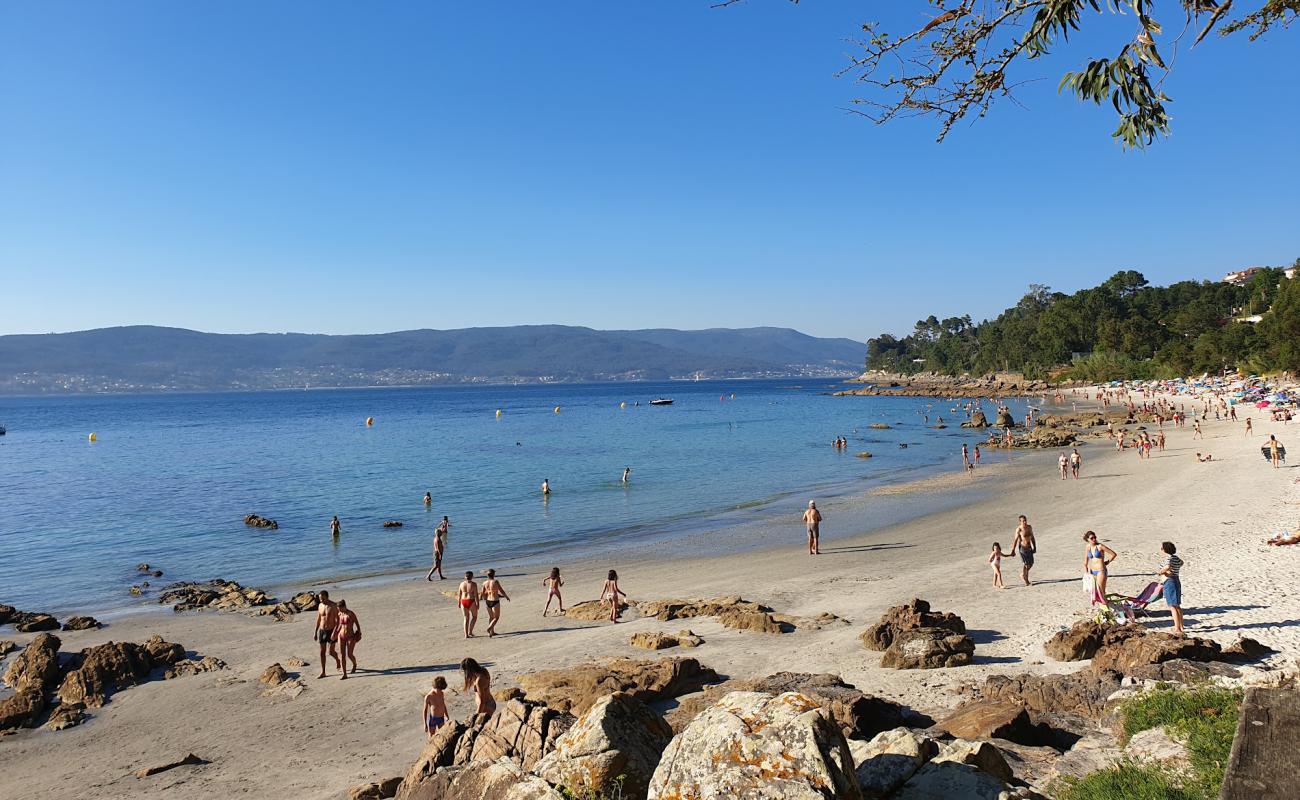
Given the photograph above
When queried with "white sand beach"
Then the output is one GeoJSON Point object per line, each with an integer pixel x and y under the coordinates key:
{"type": "Point", "coordinates": [337, 734]}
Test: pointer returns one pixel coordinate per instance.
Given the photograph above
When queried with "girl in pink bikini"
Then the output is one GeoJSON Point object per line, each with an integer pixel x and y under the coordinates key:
{"type": "Point", "coordinates": [348, 633]}
{"type": "Point", "coordinates": [553, 584]}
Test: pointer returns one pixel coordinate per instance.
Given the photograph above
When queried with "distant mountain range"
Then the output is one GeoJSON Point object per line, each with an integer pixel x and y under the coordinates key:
{"type": "Point", "coordinates": [148, 358]}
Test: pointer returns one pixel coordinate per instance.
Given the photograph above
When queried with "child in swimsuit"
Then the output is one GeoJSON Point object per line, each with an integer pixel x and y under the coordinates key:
{"type": "Point", "coordinates": [611, 592]}
{"type": "Point", "coordinates": [995, 558]}
{"type": "Point", "coordinates": [435, 707]}
{"type": "Point", "coordinates": [553, 583]}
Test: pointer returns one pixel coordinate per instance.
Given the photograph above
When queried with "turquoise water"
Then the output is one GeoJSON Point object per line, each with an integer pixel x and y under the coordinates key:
{"type": "Point", "coordinates": [171, 476]}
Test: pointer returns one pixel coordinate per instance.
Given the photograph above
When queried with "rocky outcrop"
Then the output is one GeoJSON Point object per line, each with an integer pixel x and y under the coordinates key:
{"type": "Point", "coordinates": [576, 689]}
{"type": "Point", "coordinates": [193, 666]}
{"type": "Point", "coordinates": [378, 790]}
{"type": "Point", "coordinates": [22, 709]}
{"type": "Point", "coordinates": [658, 640]}
{"type": "Point", "coordinates": [301, 602]}
{"type": "Point", "coordinates": [67, 715]}
{"type": "Point", "coordinates": [948, 780]}
{"type": "Point", "coordinates": [929, 648]}
{"type": "Point", "coordinates": [1081, 694]}
{"type": "Point", "coordinates": [392, 523]}
{"type": "Point", "coordinates": [218, 594]}
{"type": "Point", "coordinates": [256, 521]}
{"type": "Point", "coordinates": [595, 610]}
{"type": "Point", "coordinates": [1124, 648]}
{"type": "Point", "coordinates": [910, 616]}
{"type": "Point", "coordinates": [1043, 437]}
{"type": "Point", "coordinates": [481, 780]}
{"type": "Point", "coordinates": [96, 672]}
{"type": "Point", "coordinates": [858, 715]}
{"type": "Point", "coordinates": [890, 759]}
{"type": "Point", "coordinates": [1246, 650]}
{"type": "Point", "coordinates": [988, 719]}
{"type": "Point", "coordinates": [1079, 642]}
{"type": "Point", "coordinates": [37, 666]}
{"type": "Point", "coordinates": [755, 745]}
{"type": "Point", "coordinates": [81, 624]}
{"type": "Point", "coordinates": [615, 745]}
{"type": "Point", "coordinates": [1004, 419]}
{"type": "Point", "coordinates": [732, 611]}
{"type": "Point", "coordinates": [27, 621]}
{"type": "Point", "coordinates": [520, 732]}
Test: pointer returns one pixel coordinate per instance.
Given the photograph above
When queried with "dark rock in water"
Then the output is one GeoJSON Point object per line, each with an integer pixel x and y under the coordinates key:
{"type": "Point", "coordinates": [392, 523]}
{"type": "Point", "coordinates": [913, 615]}
{"type": "Point", "coordinates": [157, 573]}
{"type": "Point", "coordinates": [142, 567]}
{"type": "Point", "coordinates": [977, 420]}
{"type": "Point", "coordinates": [1077, 643]}
{"type": "Point", "coordinates": [928, 648]}
{"type": "Point", "coordinates": [81, 624]}
{"type": "Point", "coordinates": [256, 521]}
{"type": "Point", "coordinates": [1005, 420]}
{"type": "Point", "coordinates": [136, 590]}
{"type": "Point", "coordinates": [219, 594]}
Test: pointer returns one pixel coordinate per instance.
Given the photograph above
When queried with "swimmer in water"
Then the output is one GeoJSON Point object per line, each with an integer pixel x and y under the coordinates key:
{"type": "Point", "coordinates": [627, 474]}
{"type": "Point", "coordinates": [428, 499]}
{"type": "Point", "coordinates": [546, 486]}
{"type": "Point", "coordinates": [334, 527]}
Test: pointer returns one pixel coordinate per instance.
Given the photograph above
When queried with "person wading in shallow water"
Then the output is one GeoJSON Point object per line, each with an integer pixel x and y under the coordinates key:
{"type": "Point", "coordinates": [813, 519]}
{"type": "Point", "coordinates": [439, 547]}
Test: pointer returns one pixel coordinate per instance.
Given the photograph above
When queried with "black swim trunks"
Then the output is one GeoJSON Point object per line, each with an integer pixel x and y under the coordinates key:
{"type": "Point", "coordinates": [1026, 556]}
{"type": "Point", "coordinates": [492, 603]}
{"type": "Point", "coordinates": [325, 635]}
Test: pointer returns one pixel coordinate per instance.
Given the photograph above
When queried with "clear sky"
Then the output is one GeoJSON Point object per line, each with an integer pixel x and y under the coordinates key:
{"type": "Point", "coordinates": [359, 167]}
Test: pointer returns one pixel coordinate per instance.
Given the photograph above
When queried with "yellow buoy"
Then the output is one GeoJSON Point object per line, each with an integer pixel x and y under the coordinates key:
{"type": "Point", "coordinates": [370, 420]}
{"type": "Point", "coordinates": [498, 412]}
{"type": "Point", "coordinates": [557, 409]}
{"type": "Point", "coordinates": [93, 437]}
{"type": "Point", "coordinates": [622, 405]}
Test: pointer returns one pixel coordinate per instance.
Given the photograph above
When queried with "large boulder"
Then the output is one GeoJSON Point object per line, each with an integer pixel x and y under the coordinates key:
{"type": "Point", "coordinates": [929, 648]}
{"type": "Point", "coordinates": [977, 420]}
{"type": "Point", "coordinates": [37, 666]}
{"type": "Point", "coordinates": [81, 624]}
{"type": "Point", "coordinates": [950, 780]}
{"type": "Point", "coordinates": [731, 610]}
{"type": "Point", "coordinates": [22, 709]}
{"type": "Point", "coordinates": [218, 594]}
{"type": "Point", "coordinates": [988, 719]}
{"type": "Point", "coordinates": [520, 731]}
{"type": "Point", "coordinates": [1079, 642]}
{"type": "Point", "coordinates": [618, 742]}
{"type": "Point", "coordinates": [1127, 647]}
{"type": "Point", "coordinates": [982, 755]}
{"type": "Point", "coordinates": [33, 623]}
{"type": "Point", "coordinates": [576, 689]}
{"type": "Point", "coordinates": [890, 759]}
{"type": "Point", "coordinates": [1080, 693]}
{"type": "Point", "coordinates": [858, 715]}
{"type": "Point", "coordinates": [502, 779]}
{"type": "Point", "coordinates": [907, 617]}
{"type": "Point", "coordinates": [1004, 419]}
{"type": "Point", "coordinates": [97, 671]}
{"type": "Point", "coordinates": [757, 746]}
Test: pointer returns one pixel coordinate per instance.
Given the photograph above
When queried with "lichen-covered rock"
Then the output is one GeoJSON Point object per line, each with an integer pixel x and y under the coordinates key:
{"type": "Point", "coordinates": [757, 746]}
{"type": "Point", "coordinates": [907, 617]}
{"type": "Point", "coordinates": [981, 755]}
{"type": "Point", "coordinates": [890, 759]}
{"type": "Point", "coordinates": [576, 689]}
{"type": "Point", "coordinates": [80, 624]}
{"type": "Point", "coordinates": [618, 740]}
{"type": "Point", "coordinates": [928, 648]}
{"type": "Point", "coordinates": [1079, 642]}
{"type": "Point", "coordinates": [482, 780]}
{"type": "Point", "coordinates": [950, 780]}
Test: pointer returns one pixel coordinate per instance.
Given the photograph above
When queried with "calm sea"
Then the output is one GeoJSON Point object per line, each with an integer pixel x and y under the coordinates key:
{"type": "Point", "coordinates": [171, 476]}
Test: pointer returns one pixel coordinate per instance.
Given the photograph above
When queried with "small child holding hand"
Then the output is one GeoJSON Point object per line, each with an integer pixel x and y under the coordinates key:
{"type": "Point", "coordinates": [995, 558]}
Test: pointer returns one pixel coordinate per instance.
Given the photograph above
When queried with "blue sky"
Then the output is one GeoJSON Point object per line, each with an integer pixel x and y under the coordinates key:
{"type": "Point", "coordinates": [361, 167]}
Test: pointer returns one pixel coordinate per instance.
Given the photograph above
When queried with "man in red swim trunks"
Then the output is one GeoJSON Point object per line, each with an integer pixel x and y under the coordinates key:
{"type": "Point", "coordinates": [467, 597]}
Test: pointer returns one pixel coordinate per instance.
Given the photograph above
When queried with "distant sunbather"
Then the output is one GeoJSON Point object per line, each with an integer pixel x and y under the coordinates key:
{"type": "Point", "coordinates": [1204, 458]}
{"type": "Point", "coordinates": [1285, 538]}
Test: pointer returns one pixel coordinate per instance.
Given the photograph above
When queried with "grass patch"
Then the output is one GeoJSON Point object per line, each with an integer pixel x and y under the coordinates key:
{"type": "Point", "coordinates": [1203, 717]}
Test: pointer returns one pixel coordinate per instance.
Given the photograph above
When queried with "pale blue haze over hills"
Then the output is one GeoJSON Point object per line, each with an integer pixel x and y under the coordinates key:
{"type": "Point", "coordinates": [352, 168]}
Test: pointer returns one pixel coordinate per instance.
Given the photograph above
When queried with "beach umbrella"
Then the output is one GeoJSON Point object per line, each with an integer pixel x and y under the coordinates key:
{"type": "Point", "coordinates": [1261, 404]}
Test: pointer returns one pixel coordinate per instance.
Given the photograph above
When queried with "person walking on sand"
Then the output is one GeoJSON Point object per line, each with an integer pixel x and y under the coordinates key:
{"type": "Point", "coordinates": [439, 548]}
{"type": "Point", "coordinates": [1076, 461]}
{"type": "Point", "coordinates": [1196, 429]}
{"type": "Point", "coordinates": [995, 559]}
{"type": "Point", "coordinates": [467, 597]}
{"type": "Point", "coordinates": [553, 582]}
{"type": "Point", "coordinates": [1096, 558]}
{"type": "Point", "coordinates": [435, 706]}
{"type": "Point", "coordinates": [327, 619]}
{"type": "Point", "coordinates": [334, 526]}
{"type": "Point", "coordinates": [478, 679]}
{"type": "Point", "coordinates": [493, 593]}
{"type": "Point", "coordinates": [1173, 586]}
{"type": "Point", "coordinates": [1025, 546]}
{"type": "Point", "coordinates": [1275, 451]}
{"type": "Point", "coordinates": [812, 518]}
{"type": "Point", "coordinates": [1064, 463]}
{"type": "Point", "coordinates": [348, 634]}
{"type": "Point", "coordinates": [611, 592]}
{"type": "Point", "coordinates": [1248, 428]}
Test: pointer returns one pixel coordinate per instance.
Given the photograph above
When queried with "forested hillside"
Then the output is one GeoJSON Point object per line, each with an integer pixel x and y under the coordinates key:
{"type": "Point", "coordinates": [1124, 328]}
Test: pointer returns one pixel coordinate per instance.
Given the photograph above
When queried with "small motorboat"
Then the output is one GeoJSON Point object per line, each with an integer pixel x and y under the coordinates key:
{"type": "Point", "coordinates": [661, 401]}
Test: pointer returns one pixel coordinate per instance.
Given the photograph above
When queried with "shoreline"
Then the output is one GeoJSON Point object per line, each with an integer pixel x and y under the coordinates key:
{"type": "Point", "coordinates": [337, 734]}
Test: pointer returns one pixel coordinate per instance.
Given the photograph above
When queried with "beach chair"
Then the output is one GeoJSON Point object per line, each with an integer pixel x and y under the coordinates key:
{"type": "Point", "coordinates": [1134, 607]}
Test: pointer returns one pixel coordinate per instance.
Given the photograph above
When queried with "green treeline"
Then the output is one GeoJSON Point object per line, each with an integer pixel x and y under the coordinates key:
{"type": "Point", "coordinates": [1124, 328]}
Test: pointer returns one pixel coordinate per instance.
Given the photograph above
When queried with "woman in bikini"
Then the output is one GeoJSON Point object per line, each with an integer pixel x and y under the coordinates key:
{"type": "Point", "coordinates": [492, 596]}
{"type": "Point", "coordinates": [553, 583]}
{"type": "Point", "coordinates": [612, 593]}
{"type": "Point", "coordinates": [1096, 558]}
{"type": "Point", "coordinates": [467, 597]}
{"type": "Point", "coordinates": [348, 633]}
{"type": "Point", "coordinates": [477, 678]}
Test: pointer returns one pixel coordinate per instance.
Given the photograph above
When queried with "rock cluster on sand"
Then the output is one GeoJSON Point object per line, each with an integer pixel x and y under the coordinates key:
{"type": "Point", "coordinates": [86, 680]}
{"type": "Point", "coordinates": [595, 610]}
{"type": "Point", "coordinates": [1138, 651]}
{"type": "Point", "coordinates": [658, 640]}
{"type": "Point", "coordinates": [577, 688]}
{"type": "Point", "coordinates": [224, 595]}
{"type": "Point", "coordinates": [81, 624]}
{"type": "Point", "coordinates": [914, 637]}
{"type": "Point", "coordinates": [734, 612]}
{"type": "Point", "coordinates": [27, 621]}
{"type": "Point", "coordinates": [256, 521]}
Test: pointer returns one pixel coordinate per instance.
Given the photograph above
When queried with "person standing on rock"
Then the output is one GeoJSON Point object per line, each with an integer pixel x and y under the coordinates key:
{"type": "Point", "coordinates": [493, 593]}
{"type": "Point", "coordinates": [348, 633]}
{"type": "Point", "coordinates": [467, 597]}
{"type": "Point", "coordinates": [478, 679]}
{"type": "Point", "coordinates": [1025, 546]}
{"type": "Point", "coordinates": [327, 620]}
{"type": "Point", "coordinates": [812, 518]}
